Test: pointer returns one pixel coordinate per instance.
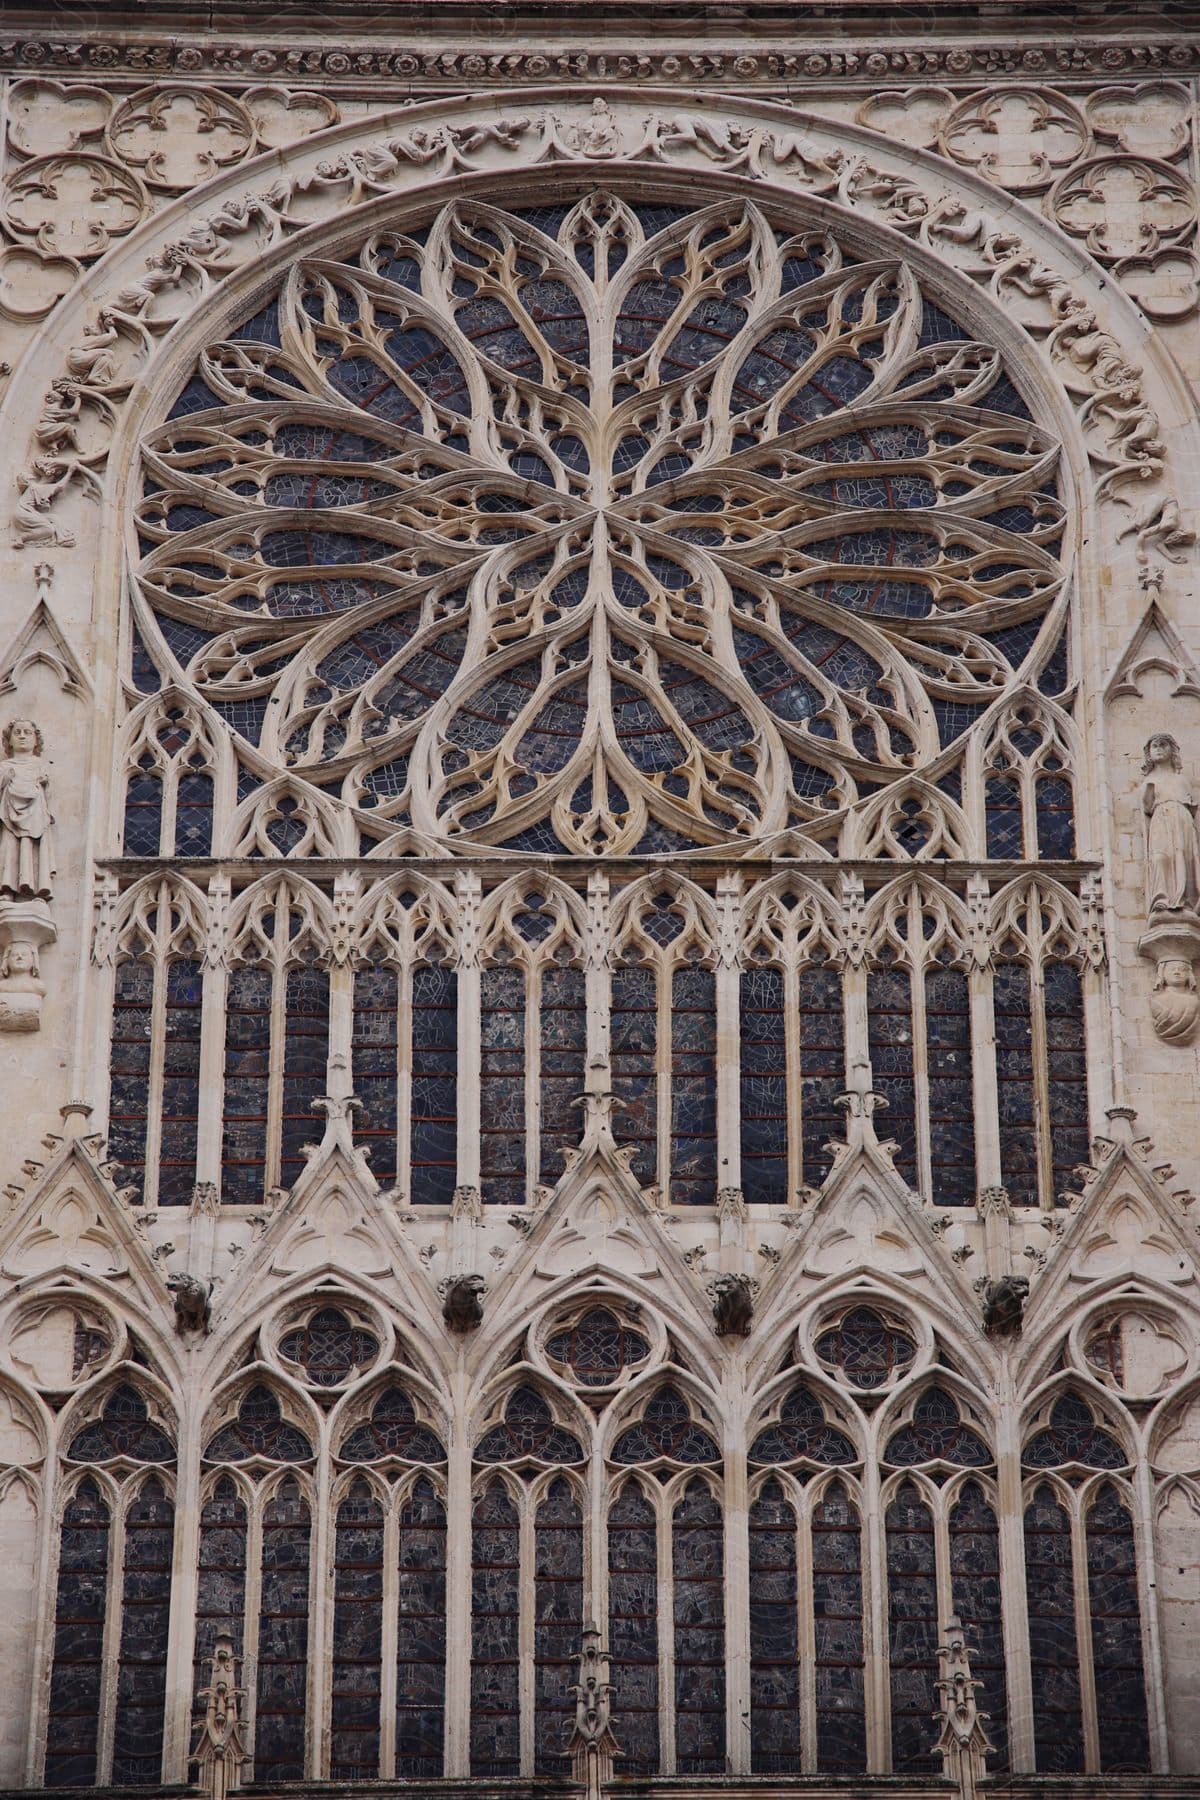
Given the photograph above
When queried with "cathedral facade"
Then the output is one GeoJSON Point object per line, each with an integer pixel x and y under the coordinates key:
{"type": "Point", "coordinates": [600, 901]}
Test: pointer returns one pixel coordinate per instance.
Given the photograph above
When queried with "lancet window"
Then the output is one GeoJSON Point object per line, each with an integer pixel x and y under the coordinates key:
{"type": "Point", "coordinates": [807, 1650]}
{"type": "Point", "coordinates": [107, 1701]}
{"type": "Point", "coordinates": [169, 790]}
{"type": "Point", "coordinates": [1085, 1628]}
{"type": "Point", "coordinates": [527, 1588]}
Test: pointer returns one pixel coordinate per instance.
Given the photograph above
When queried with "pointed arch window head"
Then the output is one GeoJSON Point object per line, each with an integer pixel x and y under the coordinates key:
{"type": "Point", "coordinates": [1073, 1434]}
{"type": "Point", "coordinates": [528, 1432]}
{"type": "Point", "coordinates": [259, 1430]}
{"type": "Point", "coordinates": [865, 1349]}
{"type": "Point", "coordinates": [598, 1348]}
{"type": "Point", "coordinates": [123, 1430]}
{"type": "Point", "coordinates": [329, 1347]}
{"type": "Point", "coordinates": [937, 1432]}
{"type": "Point", "coordinates": [667, 1431]}
{"type": "Point", "coordinates": [802, 1432]}
{"type": "Point", "coordinates": [711, 629]}
{"type": "Point", "coordinates": [392, 1430]}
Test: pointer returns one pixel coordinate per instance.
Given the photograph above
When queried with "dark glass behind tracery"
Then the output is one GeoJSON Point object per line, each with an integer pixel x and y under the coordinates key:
{"type": "Point", "coordinates": [666, 1429]}
{"type": "Point", "coordinates": [912, 1630]}
{"type": "Point", "coordinates": [258, 1430]}
{"type": "Point", "coordinates": [279, 1726]}
{"type": "Point", "coordinates": [1053, 1648]}
{"type": "Point", "coordinates": [693, 1168]}
{"type": "Point", "coordinates": [502, 1085]}
{"type": "Point", "coordinates": [433, 1127]}
{"type": "Point", "coordinates": [951, 1097]}
{"type": "Point", "coordinates": [698, 1563]}
{"type": "Point", "coordinates": [865, 1348]}
{"type": "Point", "coordinates": [328, 1347]}
{"type": "Point", "coordinates": [1116, 1634]}
{"type": "Point", "coordinates": [890, 1038]}
{"type": "Point", "coordinates": [138, 1716]}
{"type": "Point", "coordinates": [975, 1581]}
{"type": "Point", "coordinates": [598, 1348]}
{"type": "Point", "coordinates": [221, 1586]}
{"type": "Point", "coordinates": [357, 1637]}
{"type": "Point", "coordinates": [79, 1611]}
{"type": "Point", "coordinates": [562, 1027]}
{"type": "Point", "coordinates": [421, 1638]}
{"type": "Point", "coordinates": [822, 1065]}
{"type": "Point", "coordinates": [634, 1035]}
{"type": "Point", "coordinates": [774, 1636]}
{"type": "Point", "coordinates": [838, 1623]}
{"type": "Point", "coordinates": [495, 1635]}
{"type": "Point", "coordinates": [764, 1103]}
{"type": "Point", "coordinates": [558, 1623]}
{"type": "Point", "coordinates": [937, 1433]}
{"type": "Point", "coordinates": [633, 1628]}
{"type": "Point", "coordinates": [802, 1430]}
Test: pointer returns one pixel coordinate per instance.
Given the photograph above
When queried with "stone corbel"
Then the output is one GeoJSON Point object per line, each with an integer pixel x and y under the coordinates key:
{"type": "Point", "coordinates": [1173, 946]}
{"type": "Point", "coordinates": [25, 930]}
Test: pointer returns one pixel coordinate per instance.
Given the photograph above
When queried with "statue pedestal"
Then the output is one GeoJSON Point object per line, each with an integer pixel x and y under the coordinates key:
{"type": "Point", "coordinates": [1172, 944]}
{"type": "Point", "coordinates": [25, 929]}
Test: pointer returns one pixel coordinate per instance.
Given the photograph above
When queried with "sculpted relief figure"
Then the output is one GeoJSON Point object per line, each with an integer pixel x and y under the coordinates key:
{"type": "Point", "coordinates": [1172, 877]}
{"type": "Point", "coordinates": [26, 847]}
{"type": "Point", "coordinates": [1172, 842]}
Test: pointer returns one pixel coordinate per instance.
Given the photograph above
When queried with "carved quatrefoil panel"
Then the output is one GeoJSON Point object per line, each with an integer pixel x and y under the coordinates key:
{"type": "Point", "coordinates": [598, 529]}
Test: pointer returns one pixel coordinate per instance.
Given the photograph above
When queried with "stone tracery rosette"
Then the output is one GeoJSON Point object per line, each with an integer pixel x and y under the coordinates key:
{"type": "Point", "coordinates": [606, 528]}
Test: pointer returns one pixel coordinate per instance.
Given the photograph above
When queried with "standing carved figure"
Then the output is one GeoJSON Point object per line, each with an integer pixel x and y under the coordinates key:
{"type": "Point", "coordinates": [26, 845]}
{"type": "Point", "coordinates": [1172, 843]}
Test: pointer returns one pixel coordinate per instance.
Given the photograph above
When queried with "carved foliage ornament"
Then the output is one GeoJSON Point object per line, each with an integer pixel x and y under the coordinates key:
{"type": "Point", "coordinates": [600, 528]}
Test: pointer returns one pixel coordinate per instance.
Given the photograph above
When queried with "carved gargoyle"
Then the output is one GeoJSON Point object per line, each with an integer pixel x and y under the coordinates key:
{"type": "Point", "coordinates": [462, 1303]}
{"type": "Point", "coordinates": [733, 1305]}
{"type": "Point", "coordinates": [192, 1303]}
{"type": "Point", "coordinates": [1004, 1305]}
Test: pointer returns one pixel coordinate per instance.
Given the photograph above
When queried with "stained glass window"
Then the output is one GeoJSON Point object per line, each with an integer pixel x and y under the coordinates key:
{"type": "Point", "coordinates": [502, 1085]}
{"type": "Point", "coordinates": [598, 1348]}
{"type": "Point", "coordinates": [1074, 1435]}
{"type": "Point", "coordinates": [802, 1431]}
{"type": "Point", "coordinates": [698, 1566]}
{"type": "Point", "coordinates": [1124, 1740]}
{"type": "Point", "coordinates": [279, 1719]}
{"type": "Point", "coordinates": [138, 1716]}
{"type": "Point", "coordinates": [693, 1166]}
{"type": "Point", "coordinates": [247, 1084]}
{"type": "Point", "coordinates": [155, 1077]}
{"type": "Point", "coordinates": [433, 1108]}
{"type": "Point", "coordinates": [633, 1628]}
{"type": "Point", "coordinates": [838, 1624]}
{"type": "Point", "coordinates": [634, 1030]}
{"type": "Point", "coordinates": [822, 1065]}
{"type": "Point", "coordinates": [495, 1634]}
{"type": "Point", "coordinates": [774, 1635]}
{"type": "Point", "coordinates": [259, 1430]}
{"type": "Point", "coordinates": [667, 1429]}
{"type": "Point", "coordinates": [79, 1615]}
{"type": "Point", "coordinates": [221, 1579]}
{"type": "Point", "coordinates": [1053, 1646]}
{"type": "Point", "coordinates": [558, 1623]}
{"type": "Point", "coordinates": [329, 1348]}
{"type": "Point", "coordinates": [764, 1095]}
{"type": "Point", "coordinates": [912, 1629]}
{"type": "Point", "coordinates": [977, 1592]}
{"type": "Point", "coordinates": [865, 1349]}
{"type": "Point", "coordinates": [421, 1634]}
{"type": "Point", "coordinates": [937, 1432]}
{"type": "Point", "coordinates": [392, 1430]}
{"type": "Point", "coordinates": [357, 1636]}
{"type": "Point", "coordinates": [890, 1035]}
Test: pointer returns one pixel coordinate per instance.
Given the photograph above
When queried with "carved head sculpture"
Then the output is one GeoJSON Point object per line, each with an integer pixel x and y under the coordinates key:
{"type": "Point", "coordinates": [1161, 748]}
{"type": "Point", "coordinates": [21, 737]}
{"type": "Point", "coordinates": [19, 958]}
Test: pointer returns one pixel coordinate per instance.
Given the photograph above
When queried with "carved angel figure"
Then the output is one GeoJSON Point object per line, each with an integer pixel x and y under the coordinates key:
{"type": "Point", "coordinates": [26, 845]}
{"type": "Point", "coordinates": [1172, 844]}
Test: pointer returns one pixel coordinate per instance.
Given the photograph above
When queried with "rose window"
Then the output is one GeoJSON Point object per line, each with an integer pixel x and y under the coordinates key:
{"type": "Point", "coordinates": [605, 527]}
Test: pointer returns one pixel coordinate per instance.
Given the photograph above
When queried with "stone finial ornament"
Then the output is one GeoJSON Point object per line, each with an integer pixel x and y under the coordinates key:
{"type": "Point", "coordinates": [220, 1749]}
{"type": "Point", "coordinates": [962, 1743]}
{"type": "Point", "coordinates": [1172, 885]}
{"type": "Point", "coordinates": [591, 1745]}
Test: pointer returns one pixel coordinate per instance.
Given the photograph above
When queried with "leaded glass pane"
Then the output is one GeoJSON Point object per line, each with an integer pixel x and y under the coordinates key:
{"type": "Point", "coordinates": [838, 1625]}
{"type": "Point", "coordinates": [502, 1085]}
{"type": "Point", "coordinates": [774, 1636]}
{"type": "Point", "coordinates": [912, 1629]}
{"type": "Point", "coordinates": [1053, 1647]}
{"type": "Point", "coordinates": [279, 1721]}
{"type": "Point", "coordinates": [357, 1637]}
{"type": "Point", "coordinates": [1116, 1634]}
{"type": "Point", "coordinates": [79, 1612]}
{"type": "Point", "coordinates": [138, 1716]}
{"type": "Point", "coordinates": [975, 1581]}
{"type": "Point", "coordinates": [495, 1635]}
{"type": "Point", "coordinates": [764, 1105]}
{"type": "Point", "coordinates": [698, 1564]}
{"type": "Point", "coordinates": [421, 1635]}
{"type": "Point", "coordinates": [633, 1628]}
{"type": "Point", "coordinates": [557, 1623]}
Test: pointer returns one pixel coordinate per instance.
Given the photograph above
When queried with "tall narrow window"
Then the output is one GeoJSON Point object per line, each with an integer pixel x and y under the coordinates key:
{"type": "Point", "coordinates": [633, 1628]}
{"type": "Point", "coordinates": [495, 1634]}
{"type": "Point", "coordinates": [1066, 1074]}
{"type": "Point", "coordinates": [912, 1629]}
{"type": "Point", "coordinates": [764, 1085]}
{"type": "Point", "coordinates": [774, 1635]}
{"type": "Point", "coordinates": [305, 1055]}
{"type": "Point", "coordinates": [822, 1065]}
{"type": "Point", "coordinates": [975, 1584]}
{"type": "Point", "coordinates": [1053, 1647]}
{"type": "Point", "coordinates": [890, 1036]}
{"type": "Point", "coordinates": [951, 1102]}
{"type": "Point", "coordinates": [247, 1085]}
{"type": "Point", "coordinates": [130, 1065]}
{"type": "Point", "coordinates": [279, 1718]}
{"type": "Point", "coordinates": [1041, 1076]}
{"type": "Point", "coordinates": [433, 1111]}
{"type": "Point", "coordinates": [79, 1613]}
{"type": "Point", "coordinates": [138, 1716]}
{"type": "Point", "coordinates": [502, 1085]}
{"type": "Point", "coordinates": [421, 1637]}
{"type": "Point", "coordinates": [838, 1622]}
{"type": "Point", "coordinates": [221, 1583]}
{"type": "Point", "coordinates": [634, 1064]}
{"type": "Point", "coordinates": [693, 1163]}
{"type": "Point", "coordinates": [558, 1622]}
{"type": "Point", "coordinates": [1015, 1081]}
{"type": "Point", "coordinates": [1124, 1741]}
{"type": "Point", "coordinates": [562, 1033]}
{"type": "Point", "coordinates": [374, 1061]}
{"type": "Point", "coordinates": [155, 1075]}
{"type": "Point", "coordinates": [698, 1568]}
{"type": "Point", "coordinates": [357, 1637]}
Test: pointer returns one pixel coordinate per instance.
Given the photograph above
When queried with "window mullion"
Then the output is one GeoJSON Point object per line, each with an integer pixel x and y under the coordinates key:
{"type": "Point", "coordinates": [664, 968]}
{"type": "Point", "coordinates": [526, 1631]}
{"type": "Point", "coordinates": [665, 1504]}
{"type": "Point", "coordinates": [1083, 1633]}
{"type": "Point", "coordinates": [920, 1059]}
{"type": "Point", "coordinates": [273, 1149]}
{"type": "Point", "coordinates": [110, 1666]}
{"type": "Point", "coordinates": [532, 969]}
{"type": "Point", "coordinates": [1041, 1076]}
{"type": "Point", "coordinates": [389, 1636]}
{"type": "Point", "coordinates": [794, 1077]}
{"type": "Point", "coordinates": [806, 1628]}
{"type": "Point", "coordinates": [254, 1549]}
{"type": "Point", "coordinates": [404, 1075]}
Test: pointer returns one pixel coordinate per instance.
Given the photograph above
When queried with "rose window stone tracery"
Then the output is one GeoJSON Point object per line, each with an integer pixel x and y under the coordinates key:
{"type": "Point", "coordinates": [602, 528]}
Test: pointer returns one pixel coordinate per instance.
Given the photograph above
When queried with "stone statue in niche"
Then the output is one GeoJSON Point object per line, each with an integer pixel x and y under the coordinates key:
{"type": "Point", "coordinates": [1172, 842]}
{"type": "Point", "coordinates": [1172, 880]}
{"type": "Point", "coordinates": [26, 875]}
{"type": "Point", "coordinates": [26, 846]}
